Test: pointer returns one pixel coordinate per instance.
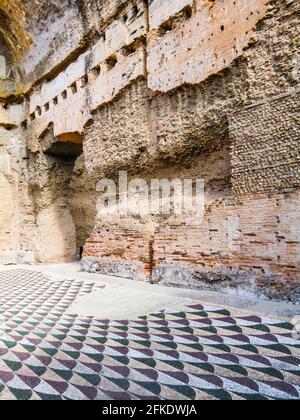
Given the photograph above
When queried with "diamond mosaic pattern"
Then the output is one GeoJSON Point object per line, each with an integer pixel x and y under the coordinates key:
{"type": "Point", "coordinates": [49, 353]}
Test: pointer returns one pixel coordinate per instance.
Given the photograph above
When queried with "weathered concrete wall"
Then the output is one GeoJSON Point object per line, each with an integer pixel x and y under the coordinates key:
{"type": "Point", "coordinates": [11, 149]}
{"type": "Point", "coordinates": [11, 152]}
{"type": "Point", "coordinates": [9, 201]}
{"type": "Point", "coordinates": [189, 44]}
{"type": "Point", "coordinates": [162, 89]}
{"type": "Point", "coordinates": [243, 245]}
{"type": "Point", "coordinates": [265, 146]}
{"type": "Point", "coordinates": [13, 26]}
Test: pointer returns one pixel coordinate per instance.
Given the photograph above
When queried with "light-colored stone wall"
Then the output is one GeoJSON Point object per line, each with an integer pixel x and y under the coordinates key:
{"type": "Point", "coordinates": [9, 203]}
{"type": "Point", "coordinates": [95, 78]}
{"type": "Point", "coordinates": [207, 37]}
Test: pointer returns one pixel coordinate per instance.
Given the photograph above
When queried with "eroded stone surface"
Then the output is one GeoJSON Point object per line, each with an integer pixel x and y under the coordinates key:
{"type": "Point", "coordinates": [190, 89]}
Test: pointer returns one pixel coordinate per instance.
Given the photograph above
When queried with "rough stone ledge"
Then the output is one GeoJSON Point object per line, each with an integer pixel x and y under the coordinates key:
{"type": "Point", "coordinates": [8, 258]}
{"type": "Point", "coordinates": [15, 257]}
{"type": "Point", "coordinates": [231, 282]}
{"type": "Point", "coordinates": [132, 270]}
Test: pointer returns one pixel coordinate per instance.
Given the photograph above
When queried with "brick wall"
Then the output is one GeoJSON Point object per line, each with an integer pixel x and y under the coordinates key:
{"type": "Point", "coordinates": [250, 243]}
{"type": "Point", "coordinates": [120, 250]}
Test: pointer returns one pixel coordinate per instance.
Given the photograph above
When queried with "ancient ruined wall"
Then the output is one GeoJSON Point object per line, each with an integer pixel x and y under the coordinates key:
{"type": "Point", "coordinates": [191, 40]}
{"type": "Point", "coordinates": [124, 250]}
{"type": "Point", "coordinates": [163, 89]}
{"type": "Point", "coordinates": [12, 153]}
{"type": "Point", "coordinates": [248, 242]}
{"type": "Point", "coordinates": [57, 112]}
{"type": "Point", "coordinates": [93, 79]}
{"type": "Point", "coordinates": [267, 159]}
{"type": "Point", "coordinates": [9, 202]}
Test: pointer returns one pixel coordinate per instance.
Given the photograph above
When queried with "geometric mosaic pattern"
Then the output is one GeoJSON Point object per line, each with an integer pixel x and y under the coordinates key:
{"type": "Point", "coordinates": [203, 352]}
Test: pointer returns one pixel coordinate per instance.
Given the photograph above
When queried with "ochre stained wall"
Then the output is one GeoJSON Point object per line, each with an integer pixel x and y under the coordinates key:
{"type": "Point", "coordinates": [181, 89]}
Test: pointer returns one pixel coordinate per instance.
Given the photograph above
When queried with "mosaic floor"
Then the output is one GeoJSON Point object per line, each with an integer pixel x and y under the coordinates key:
{"type": "Point", "coordinates": [47, 352]}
